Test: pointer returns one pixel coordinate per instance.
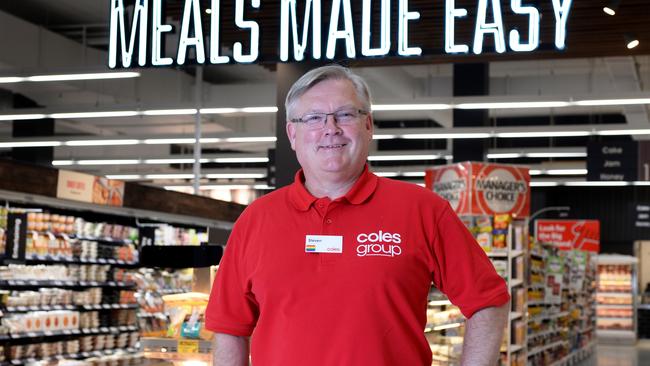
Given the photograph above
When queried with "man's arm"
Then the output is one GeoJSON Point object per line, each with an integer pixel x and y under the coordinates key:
{"type": "Point", "coordinates": [483, 335]}
{"type": "Point", "coordinates": [229, 350]}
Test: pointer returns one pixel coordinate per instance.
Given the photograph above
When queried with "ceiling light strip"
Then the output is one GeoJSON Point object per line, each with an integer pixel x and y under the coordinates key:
{"type": "Point", "coordinates": [69, 77]}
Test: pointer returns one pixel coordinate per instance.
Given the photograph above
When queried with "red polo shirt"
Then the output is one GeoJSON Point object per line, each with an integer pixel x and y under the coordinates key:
{"type": "Point", "coordinates": [364, 306]}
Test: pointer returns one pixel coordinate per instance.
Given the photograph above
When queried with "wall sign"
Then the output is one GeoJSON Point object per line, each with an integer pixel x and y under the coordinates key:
{"type": "Point", "coordinates": [16, 236]}
{"type": "Point", "coordinates": [89, 188]}
{"type": "Point", "coordinates": [617, 161]}
{"type": "Point", "coordinates": [570, 234]}
{"type": "Point", "coordinates": [141, 34]}
{"type": "Point", "coordinates": [482, 189]}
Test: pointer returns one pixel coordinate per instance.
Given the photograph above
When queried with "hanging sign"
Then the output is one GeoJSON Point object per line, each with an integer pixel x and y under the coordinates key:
{"type": "Point", "coordinates": [89, 188]}
{"type": "Point", "coordinates": [138, 34]}
{"type": "Point", "coordinates": [570, 234]}
{"type": "Point", "coordinates": [481, 188]}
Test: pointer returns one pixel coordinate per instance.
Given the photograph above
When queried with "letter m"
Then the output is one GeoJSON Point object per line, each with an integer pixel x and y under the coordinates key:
{"type": "Point", "coordinates": [118, 26]}
{"type": "Point", "coordinates": [288, 16]}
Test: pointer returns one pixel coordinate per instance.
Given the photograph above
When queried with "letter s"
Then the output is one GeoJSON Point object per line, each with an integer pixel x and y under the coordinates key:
{"type": "Point", "coordinates": [397, 238]}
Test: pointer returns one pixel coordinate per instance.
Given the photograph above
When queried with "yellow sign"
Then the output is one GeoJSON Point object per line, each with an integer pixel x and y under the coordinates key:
{"type": "Point", "coordinates": [188, 346]}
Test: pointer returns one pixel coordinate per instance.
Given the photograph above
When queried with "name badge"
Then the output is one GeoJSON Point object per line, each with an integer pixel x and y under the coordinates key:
{"type": "Point", "coordinates": [323, 244]}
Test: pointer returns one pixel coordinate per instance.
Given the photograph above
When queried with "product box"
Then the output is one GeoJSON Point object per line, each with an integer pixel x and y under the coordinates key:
{"type": "Point", "coordinates": [482, 188]}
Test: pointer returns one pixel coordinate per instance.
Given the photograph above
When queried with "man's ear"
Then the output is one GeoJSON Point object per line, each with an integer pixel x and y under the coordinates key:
{"type": "Point", "coordinates": [291, 134]}
{"type": "Point", "coordinates": [370, 125]}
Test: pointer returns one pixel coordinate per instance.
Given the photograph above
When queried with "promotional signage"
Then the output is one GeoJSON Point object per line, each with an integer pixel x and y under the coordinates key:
{"type": "Point", "coordinates": [482, 189]}
{"type": "Point", "coordinates": [89, 188]}
{"type": "Point", "coordinates": [616, 161]}
{"type": "Point", "coordinates": [569, 234]}
{"type": "Point", "coordinates": [142, 35]}
{"type": "Point", "coordinates": [16, 236]}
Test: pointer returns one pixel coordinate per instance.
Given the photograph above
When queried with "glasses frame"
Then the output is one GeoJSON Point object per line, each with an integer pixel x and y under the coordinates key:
{"type": "Point", "coordinates": [333, 114]}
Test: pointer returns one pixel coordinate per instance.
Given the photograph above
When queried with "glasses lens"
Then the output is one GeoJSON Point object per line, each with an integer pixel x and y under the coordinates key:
{"type": "Point", "coordinates": [314, 120]}
{"type": "Point", "coordinates": [346, 116]}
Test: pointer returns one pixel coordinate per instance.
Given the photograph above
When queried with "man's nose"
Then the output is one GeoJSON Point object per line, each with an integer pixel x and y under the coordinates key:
{"type": "Point", "coordinates": [331, 125]}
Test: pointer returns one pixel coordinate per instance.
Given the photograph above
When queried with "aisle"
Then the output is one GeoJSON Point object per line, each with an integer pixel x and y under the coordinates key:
{"type": "Point", "coordinates": [620, 355]}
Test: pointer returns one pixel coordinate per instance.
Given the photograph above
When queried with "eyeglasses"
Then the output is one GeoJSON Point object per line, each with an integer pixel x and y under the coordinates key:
{"type": "Point", "coordinates": [343, 117]}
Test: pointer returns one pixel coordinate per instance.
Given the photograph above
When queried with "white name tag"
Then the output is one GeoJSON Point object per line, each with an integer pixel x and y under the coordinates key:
{"type": "Point", "coordinates": [323, 244]}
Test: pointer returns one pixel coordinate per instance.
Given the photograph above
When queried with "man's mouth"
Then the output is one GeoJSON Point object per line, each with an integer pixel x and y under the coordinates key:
{"type": "Point", "coordinates": [332, 147]}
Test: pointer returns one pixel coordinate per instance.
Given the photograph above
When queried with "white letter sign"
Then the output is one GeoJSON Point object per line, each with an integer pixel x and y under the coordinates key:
{"type": "Point", "coordinates": [403, 42]}
{"type": "Point", "coordinates": [117, 24]}
{"type": "Point", "coordinates": [483, 27]}
{"type": "Point", "coordinates": [192, 7]}
{"type": "Point", "coordinates": [384, 35]}
{"type": "Point", "coordinates": [255, 33]}
{"type": "Point", "coordinates": [346, 34]}
{"type": "Point", "coordinates": [450, 13]}
{"type": "Point", "coordinates": [288, 11]}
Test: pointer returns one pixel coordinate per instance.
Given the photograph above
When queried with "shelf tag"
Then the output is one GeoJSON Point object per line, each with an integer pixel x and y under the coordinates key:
{"type": "Point", "coordinates": [188, 346]}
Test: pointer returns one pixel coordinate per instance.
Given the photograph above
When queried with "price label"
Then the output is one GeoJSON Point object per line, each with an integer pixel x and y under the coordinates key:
{"type": "Point", "coordinates": [22, 308]}
{"type": "Point", "coordinates": [101, 260]}
{"type": "Point", "coordinates": [188, 346]}
{"type": "Point", "coordinates": [67, 332]}
{"type": "Point", "coordinates": [58, 283]}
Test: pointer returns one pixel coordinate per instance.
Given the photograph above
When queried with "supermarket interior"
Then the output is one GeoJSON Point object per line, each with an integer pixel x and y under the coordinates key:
{"type": "Point", "coordinates": [133, 134]}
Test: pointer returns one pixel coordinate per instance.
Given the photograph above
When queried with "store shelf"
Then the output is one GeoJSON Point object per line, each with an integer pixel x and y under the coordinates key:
{"type": "Point", "coordinates": [105, 240]}
{"type": "Point", "coordinates": [537, 350]}
{"type": "Point", "coordinates": [497, 254]}
{"type": "Point", "coordinates": [614, 294]}
{"type": "Point", "coordinates": [63, 283]}
{"type": "Point", "coordinates": [68, 332]}
{"type": "Point", "coordinates": [23, 309]}
{"type": "Point", "coordinates": [46, 259]}
{"type": "Point", "coordinates": [643, 307]}
{"type": "Point", "coordinates": [73, 356]}
{"type": "Point", "coordinates": [615, 306]}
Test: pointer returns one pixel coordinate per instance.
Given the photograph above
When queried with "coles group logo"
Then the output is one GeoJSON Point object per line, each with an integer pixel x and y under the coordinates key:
{"type": "Point", "coordinates": [379, 244]}
{"type": "Point", "coordinates": [502, 190]}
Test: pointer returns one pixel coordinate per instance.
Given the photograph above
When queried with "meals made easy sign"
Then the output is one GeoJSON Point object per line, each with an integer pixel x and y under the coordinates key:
{"type": "Point", "coordinates": [482, 189]}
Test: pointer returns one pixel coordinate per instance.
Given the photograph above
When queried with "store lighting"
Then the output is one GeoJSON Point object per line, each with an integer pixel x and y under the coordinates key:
{"type": "Point", "coordinates": [596, 184]}
{"type": "Point", "coordinates": [108, 162]}
{"type": "Point", "coordinates": [641, 183]}
{"type": "Point", "coordinates": [218, 110]}
{"type": "Point", "coordinates": [543, 184]}
{"type": "Point", "coordinates": [542, 134]}
{"type": "Point", "coordinates": [124, 176]}
{"type": "Point", "coordinates": [241, 160]}
{"type": "Point", "coordinates": [563, 154]}
{"type": "Point", "coordinates": [403, 157]}
{"type": "Point", "coordinates": [565, 172]}
{"type": "Point", "coordinates": [610, 102]}
{"type": "Point", "coordinates": [413, 174]}
{"type": "Point", "coordinates": [609, 11]}
{"type": "Point", "coordinates": [409, 107]}
{"type": "Point", "coordinates": [169, 141]}
{"type": "Point", "coordinates": [30, 144]}
{"type": "Point", "coordinates": [259, 110]}
{"type": "Point", "coordinates": [504, 155]}
{"type": "Point", "coordinates": [169, 176]}
{"type": "Point", "coordinates": [116, 142]}
{"type": "Point", "coordinates": [62, 162]}
{"type": "Point", "coordinates": [169, 112]}
{"type": "Point", "coordinates": [631, 41]}
{"type": "Point", "coordinates": [513, 105]}
{"type": "Point", "coordinates": [172, 161]}
{"type": "Point", "coordinates": [235, 175]}
{"type": "Point", "coordinates": [70, 77]}
{"type": "Point", "coordinates": [474, 135]}
{"type": "Point", "coordinates": [534, 172]}
{"type": "Point", "coordinates": [20, 117]}
{"type": "Point", "coordinates": [251, 139]}
{"type": "Point", "coordinates": [109, 114]}
{"type": "Point", "coordinates": [624, 132]}
{"type": "Point", "coordinates": [383, 137]}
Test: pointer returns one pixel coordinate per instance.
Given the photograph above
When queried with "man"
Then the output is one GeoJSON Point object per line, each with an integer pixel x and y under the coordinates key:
{"type": "Point", "coordinates": [335, 269]}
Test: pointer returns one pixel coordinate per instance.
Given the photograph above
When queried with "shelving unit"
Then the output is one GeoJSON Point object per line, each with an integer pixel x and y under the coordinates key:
{"type": "Point", "coordinates": [616, 300]}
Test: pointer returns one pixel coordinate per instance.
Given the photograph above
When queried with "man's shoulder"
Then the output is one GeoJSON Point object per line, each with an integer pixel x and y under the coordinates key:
{"type": "Point", "coordinates": [271, 200]}
{"type": "Point", "coordinates": [408, 190]}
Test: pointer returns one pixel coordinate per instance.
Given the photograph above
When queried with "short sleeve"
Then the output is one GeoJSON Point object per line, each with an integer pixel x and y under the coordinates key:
{"type": "Point", "coordinates": [462, 270]}
{"type": "Point", "coordinates": [232, 308]}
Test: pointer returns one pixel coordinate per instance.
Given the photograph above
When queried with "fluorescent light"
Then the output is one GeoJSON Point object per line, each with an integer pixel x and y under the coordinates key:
{"type": "Point", "coordinates": [30, 144]}
{"type": "Point", "coordinates": [513, 105]}
{"type": "Point", "coordinates": [566, 154]}
{"type": "Point", "coordinates": [543, 134]}
{"type": "Point", "coordinates": [124, 176]}
{"type": "Point", "coordinates": [624, 132]}
{"type": "Point", "coordinates": [210, 140]}
{"type": "Point", "coordinates": [11, 79]}
{"type": "Point", "coordinates": [101, 142]}
{"type": "Point", "coordinates": [504, 155]}
{"type": "Point", "coordinates": [172, 161]}
{"type": "Point", "coordinates": [606, 102]}
{"type": "Point", "coordinates": [409, 107]}
{"type": "Point", "coordinates": [109, 162]}
{"type": "Point", "coordinates": [596, 183]}
{"type": "Point", "coordinates": [169, 112]}
{"type": "Point", "coordinates": [386, 174]}
{"type": "Point", "coordinates": [18, 117]}
{"type": "Point", "coordinates": [169, 141]}
{"type": "Point", "coordinates": [89, 76]}
{"type": "Point", "coordinates": [62, 162]}
{"type": "Point", "coordinates": [543, 184]}
{"type": "Point", "coordinates": [383, 137]}
{"type": "Point", "coordinates": [235, 175]}
{"type": "Point", "coordinates": [241, 160]}
{"type": "Point", "coordinates": [641, 183]}
{"type": "Point", "coordinates": [251, 139]}
{"type": "Point", "coordinates": [609, 11]}
{"type": "Point", "coordinates": [633, 43]}
{"type": "Point", "coordinates": [413, 174]}
{"type": "Point", "coordinates": [218, 110]}
{"type": "Point", "coordinates": [470, 135]}
{"type": "Point", "coordinates": [566, 171]}
{"type": "Point", "coordinates": [534, 172]}
{"type": "Point", "coordinates": [402, 157]}
{"type": "Point", "coordinates": [94, 114]}
{"type": "Point", "coordinates": [169, 176]}
{"type": "Point", "coordinates": [259, 109]}
{"type": "Point", "coordinates": [212, 187]}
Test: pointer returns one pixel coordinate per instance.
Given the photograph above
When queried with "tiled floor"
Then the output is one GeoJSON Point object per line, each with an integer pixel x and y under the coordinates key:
{"type": "Point", "coordinates": [607, 355]}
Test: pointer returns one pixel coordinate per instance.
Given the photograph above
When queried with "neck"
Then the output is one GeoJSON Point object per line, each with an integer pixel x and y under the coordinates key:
{"type": "Point", "coordinates": [332, 186]}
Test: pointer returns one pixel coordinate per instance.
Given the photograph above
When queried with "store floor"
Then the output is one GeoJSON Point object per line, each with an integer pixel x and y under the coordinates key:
{"type": "Point", "coordinates": [609, 355]}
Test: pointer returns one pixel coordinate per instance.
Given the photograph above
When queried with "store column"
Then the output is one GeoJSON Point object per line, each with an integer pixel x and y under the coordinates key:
{"type": "Point", "coordinates": [31, 128]}
{"type": "Point", "coordinates": [284, 160]}
{"type": "Point", "coordinates": [470, 80]}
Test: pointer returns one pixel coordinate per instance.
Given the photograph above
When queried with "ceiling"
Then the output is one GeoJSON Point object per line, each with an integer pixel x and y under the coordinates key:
{"type": "Point", "coordinates": [68, 36]}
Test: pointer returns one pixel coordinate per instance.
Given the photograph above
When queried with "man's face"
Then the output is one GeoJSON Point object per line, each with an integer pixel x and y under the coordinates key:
{"type": "Point", "coordinates": [333, 149]}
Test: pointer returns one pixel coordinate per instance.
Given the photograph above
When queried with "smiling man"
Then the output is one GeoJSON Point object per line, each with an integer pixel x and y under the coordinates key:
{"type": "Point", "coordinates": [335, 269]}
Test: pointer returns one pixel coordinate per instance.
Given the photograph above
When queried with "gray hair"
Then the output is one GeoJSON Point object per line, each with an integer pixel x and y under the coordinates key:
{"type": "Point", "coordinates": [329, 72]}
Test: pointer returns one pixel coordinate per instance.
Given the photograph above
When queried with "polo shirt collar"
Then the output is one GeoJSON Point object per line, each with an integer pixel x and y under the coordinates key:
{"type": "Point", "coordinates": [362, 189]}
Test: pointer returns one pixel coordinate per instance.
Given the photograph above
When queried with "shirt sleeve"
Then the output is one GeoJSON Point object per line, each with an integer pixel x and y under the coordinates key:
{"type": "Point", "coordinates": [232, 308]}
{"type": "Point", "coordinates": [462, 270]}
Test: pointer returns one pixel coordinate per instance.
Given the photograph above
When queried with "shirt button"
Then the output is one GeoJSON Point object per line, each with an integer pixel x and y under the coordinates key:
{"type": "Point", "coordinates": [320, 205]}
{"type": "Point", "coordinates": [329, 221]}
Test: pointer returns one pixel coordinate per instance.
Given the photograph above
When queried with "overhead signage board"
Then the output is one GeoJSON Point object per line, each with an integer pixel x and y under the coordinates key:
{"type": "Point", "coordinates": [137, 37]}
{"type": "Point", "coordinates": [569, 234]}
{"type": "Point", "coordinates": [481, 188]}
{"type": "Point", "coordinates": [616, 161]}
{"type": "Point", "coordinates": [89, 188]}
